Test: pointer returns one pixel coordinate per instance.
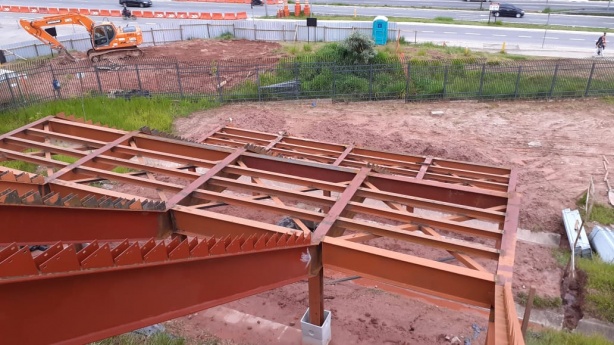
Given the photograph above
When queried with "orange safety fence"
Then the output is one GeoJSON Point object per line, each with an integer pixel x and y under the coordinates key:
{"type": "Point", "coordinates": [117, 13]}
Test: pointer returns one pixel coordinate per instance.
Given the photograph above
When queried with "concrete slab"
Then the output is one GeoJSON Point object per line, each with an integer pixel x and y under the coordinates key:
{"type": "Point", "coordinates": [544, 318]}
{"type": "Point", "coordinates": [592, 326]}
{"type": "Point", "coordinates": [547, 239]}
{"type": "Point", "coordinates": [234, 325]}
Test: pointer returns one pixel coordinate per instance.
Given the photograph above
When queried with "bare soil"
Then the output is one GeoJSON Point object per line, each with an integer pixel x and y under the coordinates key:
{"type": "Point", "coordinates": [556, 146]}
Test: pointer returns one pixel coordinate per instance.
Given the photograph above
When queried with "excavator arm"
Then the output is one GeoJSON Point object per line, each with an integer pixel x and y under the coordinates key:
{"type": "Point", "coordinates": [37, 27]}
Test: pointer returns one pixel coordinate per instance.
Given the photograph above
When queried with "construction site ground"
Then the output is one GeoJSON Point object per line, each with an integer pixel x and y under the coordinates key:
{"type": "Point", "coordinates": [556, 145]}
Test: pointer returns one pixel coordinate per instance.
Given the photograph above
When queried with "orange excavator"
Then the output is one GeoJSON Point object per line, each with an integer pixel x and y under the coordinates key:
{"type": "Point", "coordinates": [108, 40]}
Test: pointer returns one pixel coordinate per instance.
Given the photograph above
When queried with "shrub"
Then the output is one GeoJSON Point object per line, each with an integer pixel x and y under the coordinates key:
{"type": "Point", "coordinates": [359, 49]}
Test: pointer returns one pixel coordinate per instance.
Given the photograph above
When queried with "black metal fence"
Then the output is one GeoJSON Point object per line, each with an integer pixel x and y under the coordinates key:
{"type": "Point", "coordinates": [226, 81]}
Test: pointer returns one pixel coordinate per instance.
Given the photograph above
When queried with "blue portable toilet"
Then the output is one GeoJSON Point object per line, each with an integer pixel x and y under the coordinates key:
{"type": "Point", "coordinates": [380, 30]}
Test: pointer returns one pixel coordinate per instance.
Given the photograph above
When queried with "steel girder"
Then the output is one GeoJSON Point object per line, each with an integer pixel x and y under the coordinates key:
{"type": "Point", "coordinates": [238, 183]}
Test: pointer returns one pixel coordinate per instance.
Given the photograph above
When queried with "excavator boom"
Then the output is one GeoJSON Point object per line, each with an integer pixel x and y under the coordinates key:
{"type": "Point", "coordinates": [107, 39]}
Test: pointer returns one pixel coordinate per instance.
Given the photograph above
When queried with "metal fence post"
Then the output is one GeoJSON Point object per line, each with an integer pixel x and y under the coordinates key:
{"type": "Point", "coordinates": [334, 90]}
{"type": "Point", "coordinates": [208, 32]}
{"type": "Point", "coordinates": [482, 80]}
{"type": "Point", "coordinates": [258, 84]}
{"type": "Point", "coordinates": [138, 76]}
{"type": "Point", "coordinates": [556, 71]}
{"type": "Point", "coordinates": [36, 50]}
{"type": "Point", "coordinates": [219, 84]}
{"type": "Point", "coordinates": [371, 82]}
{"type": "Point", "coordinates": [234, 31]}
{"type": "Point", "coordinates": [517, 81]}
{"type": "Point", "coordinates": [297, 79]}
{"type": "Point", "coordinates": [590, 79]}
{"type": "Point", "coordinates": [55, 92]}
{"type": "Point", "coordinates": [153, 37]}
{"type": "Point", "coordinates": [407, 84]}
{"type": "Point", "coordinates": [181, 31]}
{"type": "Point", "coordinates": [179, 79]}
{"type": "Point", "coordinates": [11, 90]}
{"type": "Point", "coordinates": [255, 35]}
{"type": "Point", "coordinates": [98, 79]}
{"type": "Point", "coordinates": [445, 80]}
{"type": "Point", "coordinates": [283, 32]}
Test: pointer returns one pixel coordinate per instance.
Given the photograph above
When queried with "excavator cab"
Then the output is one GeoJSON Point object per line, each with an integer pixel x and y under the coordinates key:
{"type": "Point", "coordinates": [103, 35]}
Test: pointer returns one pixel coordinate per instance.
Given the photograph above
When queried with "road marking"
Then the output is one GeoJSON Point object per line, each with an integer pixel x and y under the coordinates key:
{"type": "Point", "coordinates": [500, 35]}
{"type": "Point", "coordinates": [472, 33]}
{"type": "Point", "coordinates": [525, 36]}
{"type": "Point", "coordinates": [449, 32]}
{"type": "Point", "coordinates": [428, 31]}
{"type": "Point", "coordinates": [577, 39]}
{"type": "Point", "coordinates": [552, 38]}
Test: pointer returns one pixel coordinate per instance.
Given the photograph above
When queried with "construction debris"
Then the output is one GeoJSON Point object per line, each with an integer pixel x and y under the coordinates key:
{"type": "Point", "coordinates": [602, 239]}
{"type": "Point", "coordinates": [573, 222]}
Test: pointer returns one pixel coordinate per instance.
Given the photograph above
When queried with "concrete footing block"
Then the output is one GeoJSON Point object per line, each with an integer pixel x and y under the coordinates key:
{"type": "Point", "coordinates": [316, 335]}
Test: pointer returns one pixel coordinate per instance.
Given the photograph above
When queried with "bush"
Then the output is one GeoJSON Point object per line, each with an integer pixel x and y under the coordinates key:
{"type": "Point", "coordinates": [226, 36]}
{"type": "Point", "coordinates": [359, 49]}
{"type": "Point", "coordinates": [352, 87]}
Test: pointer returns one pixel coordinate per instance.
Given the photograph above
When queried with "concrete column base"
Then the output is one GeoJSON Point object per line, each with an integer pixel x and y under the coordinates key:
{"type": "Point", "coordinates": [316, 335]}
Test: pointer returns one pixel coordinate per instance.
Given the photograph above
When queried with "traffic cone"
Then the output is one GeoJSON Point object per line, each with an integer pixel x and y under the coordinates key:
{"type": "Point", "coordinates": [297, 8]}
{"type": "Point", "coordinates": [286, 9]}
{"type": "Point", "coordinates": [307, 10]}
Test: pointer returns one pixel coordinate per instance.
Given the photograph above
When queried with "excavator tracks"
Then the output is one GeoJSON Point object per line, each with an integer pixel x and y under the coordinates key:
{"type": "Point", "coordinates": [121, 53]}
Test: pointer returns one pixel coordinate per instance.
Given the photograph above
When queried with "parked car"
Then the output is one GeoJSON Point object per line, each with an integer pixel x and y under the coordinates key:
{"type": "Point", "coordinates": [11, 78]}
{"type": "Point", "coordinates": [477, 0]}
{"type": "Point", "coordinates": [136, 3]}
{"type": "Point", "coordinates": [509, 10]}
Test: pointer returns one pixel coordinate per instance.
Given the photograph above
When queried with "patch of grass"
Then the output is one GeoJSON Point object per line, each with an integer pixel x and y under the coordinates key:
{"type": "Point", "coordinates": [540, 302]}
{"type": "Point", "coordinates": [307, 48]}
{"type": "Point", "coordinates": [19, 165]}
{"type": "Point", "coordinates": [600, 287]}
{"type": "Point", "coordinates": [547, 10]}
{"type": "Point", "coordinates": [155, 112]}
{"type": "Point", "coordinates": [443, 19]}
{"type": "Point", "coordinates": [226, 36]}
{"type": "Point", "coordinates": [601, 213]}
{"type": "Point", "coordinates": [552, 337]}
{"type": "Point", "coordinates": [136, 339]}
{"type": "Point", "coordinates": [122, 170]}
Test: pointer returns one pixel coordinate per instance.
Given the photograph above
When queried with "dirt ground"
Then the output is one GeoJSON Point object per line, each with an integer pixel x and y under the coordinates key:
{"type": "Point", "coordinates": [556, 146]}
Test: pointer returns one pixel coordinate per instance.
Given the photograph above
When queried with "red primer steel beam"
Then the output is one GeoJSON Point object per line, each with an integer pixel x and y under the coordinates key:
{"type": "Point", "coordinates": [90, 156]}
{"type": "Point", "coordinates": [339, 208]}
{"type": "Point", "coordinates": [85, 307]}
{"type": "Point", "coordinates": [219, 128]}
{"type": "Point", "coordinates": [505, 267]}
{"type": "Point", "coordinates": [39, 123]}
{"type": "Point", "coordinates": [47, 224]}
{"type": "Point", "coordinates": [274, 142]}
{"type": "Point", "coordinates": [84, 130]}
{"type": "Point", "coordinates": [425, 165]}
{"type": "Point", "coordinates": [345, 153]}
{"type": "Point", "coordinates": [196, 184]}
{"type": "Point", "coordinates": [451, 282]}
{"type": "Point", "coordinates": [315, 171]}
{"type": "Point", "coordinates": [439, 191]}
{"type": "Point", "coordinates": [206, 223]}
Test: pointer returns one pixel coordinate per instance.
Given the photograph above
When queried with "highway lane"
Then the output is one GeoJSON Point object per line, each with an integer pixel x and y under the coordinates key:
{"type": "Point", "coordinates": [258, 11]}
{"type": "Point", "coordinates": [470, 36]}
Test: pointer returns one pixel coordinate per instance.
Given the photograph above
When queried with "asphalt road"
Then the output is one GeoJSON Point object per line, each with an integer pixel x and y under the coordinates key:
{"type": "Point", "coordinates": [470, 14]}
{"type": "Point", "coordinates": [469, 36]}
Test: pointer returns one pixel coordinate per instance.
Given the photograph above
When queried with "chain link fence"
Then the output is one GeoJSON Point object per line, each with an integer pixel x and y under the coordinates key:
{"type": "Point", "coordinates": [283, 79]}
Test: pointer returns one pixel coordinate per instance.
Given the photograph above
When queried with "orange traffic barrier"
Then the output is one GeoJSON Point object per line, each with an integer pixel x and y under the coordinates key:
{"type": "Point", "coordinates": [43, 10]}
{"type": "Point", "coordinates": [147, 14]}
{"type": "Point", "coordinates": [193, 15]}
{"type": "Point", "coordinates": [205, 15]}
{"type": "Point", "coordinates": [230, 16]}
{"type": "Point", "coordinates": [159, 15]}
{"type": "Point", "coordinates": [116, 13]}
{"type": "Point", "coordinates": [242, 15]}
{"type": "Point", "coordinates": [4, 8]}
{"type": "Point", "coordinates": [137, 13]}
{"type": "Point", "coordinates": [14, 8]}
{"type": "Point", "coordinates": [54, 10]}
{"type": "Point", "coordinates": [63, 10]}
{"type": "Point", "coordinates": [170, 15]}
{"type": "Point", "coordinates": [84, 11]}
{"type": "Point", "coordinates": [105, 13]}
{"type": "Point", "coordinates": [182, 15]}
{"type": "Point", "coordinates": [73, 10]}
{"type": "Point", "coordinates": [217, 16]}
{"type": "Point", "coordinates": [94, 12]}
{"type": "Point", "coordinates": [33, 9]}
{"type": "Point", "coordinates": [24, 9]}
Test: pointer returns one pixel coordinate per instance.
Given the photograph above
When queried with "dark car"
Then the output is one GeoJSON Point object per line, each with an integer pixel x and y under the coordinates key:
{"type": "Point", "coordinates": [508, 10]}
{"type": "Point", "coordinates": [137, 3]}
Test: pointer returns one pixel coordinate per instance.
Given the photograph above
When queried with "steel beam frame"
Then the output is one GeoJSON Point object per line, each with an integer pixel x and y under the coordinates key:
{"type": "Point", "coordinates": [353, 195]}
